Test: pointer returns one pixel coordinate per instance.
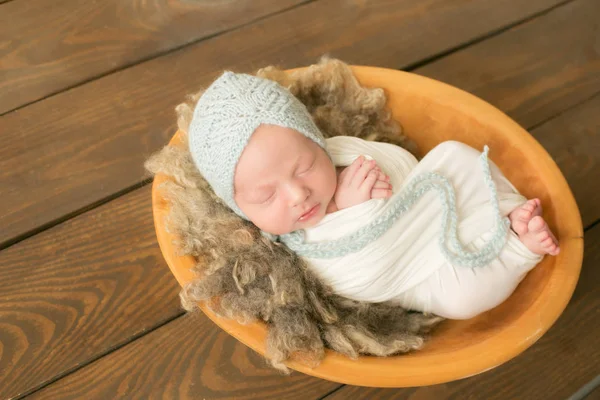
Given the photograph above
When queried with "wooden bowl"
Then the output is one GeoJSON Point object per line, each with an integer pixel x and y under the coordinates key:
{"type": "Point", "coordinates": [431, 112]}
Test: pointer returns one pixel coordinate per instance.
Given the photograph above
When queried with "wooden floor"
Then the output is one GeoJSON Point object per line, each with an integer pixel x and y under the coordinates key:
{"type": "Point", "coordinates": [88, 307]}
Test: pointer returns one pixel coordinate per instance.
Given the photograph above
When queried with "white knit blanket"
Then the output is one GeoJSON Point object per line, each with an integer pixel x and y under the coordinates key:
{"type": "Point", "coordinates": [406, 263]}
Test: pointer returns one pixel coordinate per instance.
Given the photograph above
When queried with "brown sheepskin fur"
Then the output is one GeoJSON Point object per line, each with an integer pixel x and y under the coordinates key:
{"type": "Point", "coordinates": [244, 276]}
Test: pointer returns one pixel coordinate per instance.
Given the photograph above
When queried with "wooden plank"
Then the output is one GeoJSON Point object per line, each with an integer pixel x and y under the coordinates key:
{"type": "Point", "coordinates": [76, 148]}
{"type": "Point", "coordinates": [71, 293]}
{"type": "Point", "coordinates": [593, 395]}
{"type": "Point", "coordinates": [535, 70]}
{"type": "Point", "coordinates": [563, 360]}
{"type": "Point", "coordinates": [589, 391]}
{"type": "Point", "coordinates": [189, 358]}
{"type": "Point", "coordinates": [55, 45]}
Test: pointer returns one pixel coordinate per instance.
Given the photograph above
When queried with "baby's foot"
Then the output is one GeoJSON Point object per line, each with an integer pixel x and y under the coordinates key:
{"type": "Point", "coordinates": [520, 217]}
{"type": "Point", "coordinates": [533, 231]}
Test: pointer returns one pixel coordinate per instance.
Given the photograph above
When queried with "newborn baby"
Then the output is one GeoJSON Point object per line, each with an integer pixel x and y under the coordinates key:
{"type": "Point", "coordinates": [258, 147]}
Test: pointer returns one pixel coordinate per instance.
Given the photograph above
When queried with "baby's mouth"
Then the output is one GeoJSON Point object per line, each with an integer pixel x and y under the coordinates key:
{"type": "Point", "coordinates": [310, 213]}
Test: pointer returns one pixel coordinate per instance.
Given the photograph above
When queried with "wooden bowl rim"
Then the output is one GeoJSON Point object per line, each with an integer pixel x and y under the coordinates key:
{"type": "Point", "coordinates": [420, 369]}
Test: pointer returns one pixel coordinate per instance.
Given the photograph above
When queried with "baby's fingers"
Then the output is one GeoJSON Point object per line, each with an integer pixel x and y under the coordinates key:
{"type": "Point", "coordinates": [369, 182]}
{"type": "Point", "coordinates": [347, 175]}
{"type": "Point", "coordinates": [383, 177]}
{"type": "Point", "coordinates": [379, 184]}
{"type": "Point", "coordinates": [381, 193]}
{"type": "Point", "coordinates": [363, 172]}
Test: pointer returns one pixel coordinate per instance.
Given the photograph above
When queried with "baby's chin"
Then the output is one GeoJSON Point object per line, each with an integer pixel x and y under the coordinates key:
{"type": "Point", "coordinates": [296, 226]}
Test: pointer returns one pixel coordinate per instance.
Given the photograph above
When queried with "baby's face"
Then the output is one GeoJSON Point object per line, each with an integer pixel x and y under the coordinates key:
{"type": "Point", "coordinates": [283, 180]}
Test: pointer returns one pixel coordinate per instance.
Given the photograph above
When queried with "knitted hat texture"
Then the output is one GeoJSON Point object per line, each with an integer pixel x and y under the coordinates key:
{"type": "Point", "coordinates": [225, 117]}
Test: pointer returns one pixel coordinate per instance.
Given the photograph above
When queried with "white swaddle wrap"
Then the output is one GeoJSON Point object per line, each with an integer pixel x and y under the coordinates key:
{"type": "Point", "coordinates": [406, 264]}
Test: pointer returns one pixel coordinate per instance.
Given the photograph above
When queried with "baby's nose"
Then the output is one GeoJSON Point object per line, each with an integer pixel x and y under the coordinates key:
{"type": "Point", "coordinates": [297, 194]}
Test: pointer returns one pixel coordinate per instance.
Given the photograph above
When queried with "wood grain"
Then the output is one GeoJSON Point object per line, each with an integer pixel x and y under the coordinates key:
{"type": "Point", "coordinates": [534, 70]}
{"type": "Point", "coordinates": [565, 358]}
{"type": "Point", "coordinates": [76, 148]}
{"type": "Point", "coordinates": [573, 141]}
{"type": "Point", "coordinates": [189, 358]}
{"type": "Point", "coordinates": [594, 395]}
{"type": "Point", "coordinates": [55, 45]}
{"type": "Point", "coordinates": [75, 291]}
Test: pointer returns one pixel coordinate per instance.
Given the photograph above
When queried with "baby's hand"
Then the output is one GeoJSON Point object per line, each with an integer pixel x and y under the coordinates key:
{"type": "Point", "coordinates": [359, 182]}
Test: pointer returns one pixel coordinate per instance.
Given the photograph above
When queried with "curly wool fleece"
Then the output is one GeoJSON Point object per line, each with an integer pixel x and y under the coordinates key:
{"type": "Point", "coordinates": [244, 276]}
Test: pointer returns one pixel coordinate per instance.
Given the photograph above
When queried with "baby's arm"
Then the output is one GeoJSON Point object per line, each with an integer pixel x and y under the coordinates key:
{"type": "Point", "coordinates": [361, 181]}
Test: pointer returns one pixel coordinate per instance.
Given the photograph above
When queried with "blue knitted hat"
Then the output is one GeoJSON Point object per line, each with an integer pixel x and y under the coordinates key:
{"type": "Point", "coordinates": [225, 117]}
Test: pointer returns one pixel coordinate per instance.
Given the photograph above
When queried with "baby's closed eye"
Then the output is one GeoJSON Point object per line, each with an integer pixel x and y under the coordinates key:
{"type": "Point", "coordinates": [268, 199]}
{"type": "Point", "coordinates": [307, 167]}
{"type": "Point", "coordinates": [261, 197]}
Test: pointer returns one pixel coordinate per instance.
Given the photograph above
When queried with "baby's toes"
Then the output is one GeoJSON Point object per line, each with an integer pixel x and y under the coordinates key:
{"type": "Point", "coordinates": [542, 236]}
{"type": "Point", "coordinates": [526, 214]}
{"type": "Point", "coordinates": [547, 243]}
{"type": "Point", "coordinates": [551, 247]}
{"type": "Point", "coordinates": [537, 224]}
{"type": "Point", "coordinates": [529, 207]}
{"type": "Point", "coordinates": [519, 219]}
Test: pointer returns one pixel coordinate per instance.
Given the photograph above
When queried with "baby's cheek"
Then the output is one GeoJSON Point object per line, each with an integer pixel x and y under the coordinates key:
{"type": "Point", "coordinates": [282, 220]}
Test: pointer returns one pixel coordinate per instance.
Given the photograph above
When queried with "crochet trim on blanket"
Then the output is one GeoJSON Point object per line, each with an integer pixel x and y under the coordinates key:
{"type": "Point", "coordinates": [449, 244]}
